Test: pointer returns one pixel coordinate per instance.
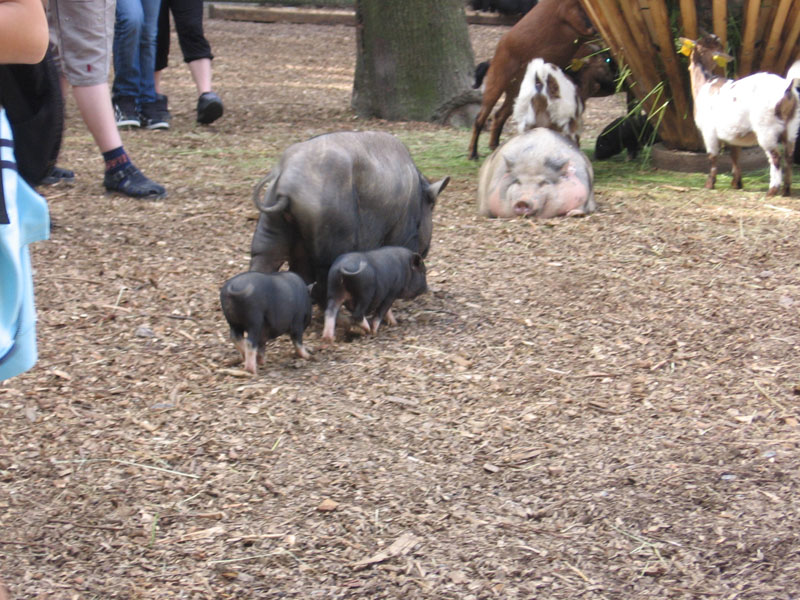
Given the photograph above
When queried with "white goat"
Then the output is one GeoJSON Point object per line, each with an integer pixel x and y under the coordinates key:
{"type": "Point", "coordinates": [548, 98]}
{"type": "Point", "coordinates": [762, 108]}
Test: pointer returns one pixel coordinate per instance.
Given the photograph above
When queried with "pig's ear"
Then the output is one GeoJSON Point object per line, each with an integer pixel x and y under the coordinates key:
{"type": "Point", "coordinates": [416, 261]}
{"type": "Point", "coordinates": [438, 187]}
{"type": "Point", "coordinates": [509, 163]}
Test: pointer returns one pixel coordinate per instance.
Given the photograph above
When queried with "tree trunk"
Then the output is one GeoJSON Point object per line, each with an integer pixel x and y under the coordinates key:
{"type": "Point", "coordinates": [413, 57]}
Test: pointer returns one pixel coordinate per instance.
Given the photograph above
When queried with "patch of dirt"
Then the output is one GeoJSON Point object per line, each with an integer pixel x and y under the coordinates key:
{"type": "Point", "coordinates": [598, 408]}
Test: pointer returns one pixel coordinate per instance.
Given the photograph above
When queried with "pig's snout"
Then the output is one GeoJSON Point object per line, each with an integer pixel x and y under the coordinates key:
{"type": "Point", "coordinates": [523, 208]}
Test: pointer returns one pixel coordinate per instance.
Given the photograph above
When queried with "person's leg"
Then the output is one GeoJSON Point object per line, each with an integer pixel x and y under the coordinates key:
{"type": "Point", "coordinates": [94, 104]}
{"type": "Point", "coordinates": [162, 44]}
{"type": "Point", "coordinates": [147, 49]}
{"type": "Point", "coordinates": [84, 55]}
{"type": "Point", "coordinates": [201, 74]}
{"type": "Point", "coordinates": [154, 111]}
{"type": "Point", "coordinates": [128, 28]}
{"type": "Point", "coordinates": [188, 15]}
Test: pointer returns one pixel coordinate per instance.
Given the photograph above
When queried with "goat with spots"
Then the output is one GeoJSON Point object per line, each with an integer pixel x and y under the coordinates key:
{"type": "Point", "coordinates": [762, 108]}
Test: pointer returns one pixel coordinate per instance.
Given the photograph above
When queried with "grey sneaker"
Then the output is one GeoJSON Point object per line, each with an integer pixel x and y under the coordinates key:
{"type": "Point", "coordinates": [155, 115]}
{"type": "Point", "coordinates": [125, 112]}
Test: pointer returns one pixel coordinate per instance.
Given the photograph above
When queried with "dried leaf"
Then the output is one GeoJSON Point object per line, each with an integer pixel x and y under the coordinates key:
{"type": "Point", "coordinates": [401, 546]}
{"type": "Point", "coordinates": [327, 505]}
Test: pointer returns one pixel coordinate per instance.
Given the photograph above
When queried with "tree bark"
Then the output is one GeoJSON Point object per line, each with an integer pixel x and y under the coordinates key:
{"type": "Point", "coordinates": [412, 58]}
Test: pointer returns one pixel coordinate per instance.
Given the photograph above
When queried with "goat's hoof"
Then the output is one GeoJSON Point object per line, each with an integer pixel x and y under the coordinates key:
{"type": "Point", "coordinates": [771, 192]}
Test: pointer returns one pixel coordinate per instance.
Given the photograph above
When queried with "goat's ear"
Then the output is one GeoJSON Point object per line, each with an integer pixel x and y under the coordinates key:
{"type": "Point", "coordinates": [722, 59]}
{"type": "Point", "coordinates": [687, 46]}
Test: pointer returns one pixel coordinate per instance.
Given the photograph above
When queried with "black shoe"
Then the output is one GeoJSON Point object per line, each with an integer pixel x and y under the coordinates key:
{"type": "Point", "coordinates": [155, 115]}
{"type": "Point", "coordinates": [132, 182]}
{"type": "Point", "coordinates": [209, 108]}
{"type": "Point", "coordinates": [125, 112]}
{"type": "Point", "coordinates": [58, 175]}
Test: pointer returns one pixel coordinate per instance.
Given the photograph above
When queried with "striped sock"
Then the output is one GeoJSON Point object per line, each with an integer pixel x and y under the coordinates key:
{"type": "Point", "coordinates": [116, 159]}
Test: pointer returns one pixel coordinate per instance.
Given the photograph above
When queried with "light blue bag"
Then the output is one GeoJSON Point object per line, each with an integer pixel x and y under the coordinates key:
{"type": "Point", "coordinates": [23, 219]}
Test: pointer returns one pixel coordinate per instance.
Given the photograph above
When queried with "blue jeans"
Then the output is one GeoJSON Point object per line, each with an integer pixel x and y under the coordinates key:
{"type": "Point", "coordinates": [135, 49]}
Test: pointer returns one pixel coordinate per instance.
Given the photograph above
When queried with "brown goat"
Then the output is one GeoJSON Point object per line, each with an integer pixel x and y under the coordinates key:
{"type": "Point", "coordinates": [552, 30]}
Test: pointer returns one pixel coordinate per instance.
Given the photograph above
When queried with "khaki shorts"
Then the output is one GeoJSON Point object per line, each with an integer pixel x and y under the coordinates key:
{"type": "Point", "coordinates": [82, 32]}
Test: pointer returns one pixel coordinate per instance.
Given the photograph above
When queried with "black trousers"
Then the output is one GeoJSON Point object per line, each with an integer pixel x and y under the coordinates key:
{"type": "Point", "coordinates": [188, 17]}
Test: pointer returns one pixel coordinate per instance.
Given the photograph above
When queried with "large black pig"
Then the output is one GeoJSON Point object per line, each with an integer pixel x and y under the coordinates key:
{"type": "Point", "coordinates": [336, 193]}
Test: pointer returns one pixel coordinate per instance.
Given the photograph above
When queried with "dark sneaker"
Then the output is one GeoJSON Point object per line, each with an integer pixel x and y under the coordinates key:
{"type": "Point", "coordinates": [155, 115]}
{"type": "Point", "coordinates": [58, 175]}
{"type": "Point", "coordinates": [209, 108]}
{"type": "Point", "coordinates": [132, 182]}
{"type": "Point", "coordinates": [125, 112]}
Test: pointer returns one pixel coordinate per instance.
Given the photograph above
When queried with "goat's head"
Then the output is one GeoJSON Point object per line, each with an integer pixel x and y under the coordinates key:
{"type": "Point", "coordinates": [593, 71]}
{"type": "Point", "coordinates": [707, 53]}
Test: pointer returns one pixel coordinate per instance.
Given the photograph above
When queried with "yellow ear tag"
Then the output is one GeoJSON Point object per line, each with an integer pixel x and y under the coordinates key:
{"type": "Point", "coordinates": [722, 61]}
{"type": "Point", "coordinates": [687, 46]}
{"type": "Point", "coordinates": [576, 64]}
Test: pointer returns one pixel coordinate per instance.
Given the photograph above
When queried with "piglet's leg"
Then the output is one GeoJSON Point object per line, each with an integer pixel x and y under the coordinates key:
{"type": "Point", "coordinates": [250, 356]}
{"type": "Point", "coordinates": [390, 318]}
{"type": "Point", "coordinates": [238, 342]}
{"type": "Point", "coordinates": [301, 350]}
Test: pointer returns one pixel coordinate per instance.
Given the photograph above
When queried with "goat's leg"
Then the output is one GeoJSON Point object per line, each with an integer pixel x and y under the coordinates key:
{"type": "Point", "coordinates": [495, 81]}
{"type": "Point", "coordinates": [477, 126]}
{"type": "Point", "coordinates": [712, 171]}
{"type": "Point", "coordinates": [788, 156]}
{"type": "Point", "coordinates": [736, 171]}
{"type": "Point", "coordinates": [502, 114]}
{"type": "Point", "coordinates": [775, 172]}
{"type": "Point", "coordinates": [500, 118]}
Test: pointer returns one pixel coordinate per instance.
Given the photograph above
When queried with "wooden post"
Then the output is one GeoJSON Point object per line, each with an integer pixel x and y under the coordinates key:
{"type": "Point", "coordinates": [774, 39]}
{"type": "Point", "coordinates": [789, 52]}
{"type": "Point", "coordinates": [689, 18]}
{"type": "Point", "coordinates": [747, 52]}
{"type": "Point", "coordinates": [720, 19]}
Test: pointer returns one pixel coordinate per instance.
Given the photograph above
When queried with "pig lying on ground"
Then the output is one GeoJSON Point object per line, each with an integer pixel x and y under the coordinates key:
{"type": "Point", "coordinates": [336, 193]}
{"type": "Point", "coordinates": [260, 307]}
{"type": "Point", "coordinates": [632, 133]}
{"type": "Point", "coordinates": [539, 173]}
{"type": "Point", "coordinates": [369, 282]}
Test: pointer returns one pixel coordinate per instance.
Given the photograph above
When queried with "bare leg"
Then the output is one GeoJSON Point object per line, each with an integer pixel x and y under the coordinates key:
{"type": "Point", "coordinates": [201, 73]}
{"type": "Point", "coordinates": [94, 104]}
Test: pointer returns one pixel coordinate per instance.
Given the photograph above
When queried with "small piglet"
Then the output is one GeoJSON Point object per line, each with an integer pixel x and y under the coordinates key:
{"type": "Point", "coordinates": [368, 282]}
{"type": "Point", "coordinates": [260, 307]}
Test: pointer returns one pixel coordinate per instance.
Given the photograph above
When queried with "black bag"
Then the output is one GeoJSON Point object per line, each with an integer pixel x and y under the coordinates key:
{"type": "Point", "coordinates": [31, 95]}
